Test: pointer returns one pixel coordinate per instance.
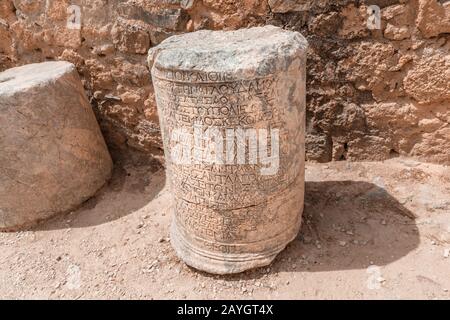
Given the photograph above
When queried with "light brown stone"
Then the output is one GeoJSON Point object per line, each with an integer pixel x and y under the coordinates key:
{"type": "Point", "coordinates": [283, 6]}
{"type": "Point", "coordinates": [53, 156]}
{"type": "Point", "coordinates": [231, 217]}
{"type": "Point", "coordinates": [433, 18]}
{"type": "Point", "coordinates": [350, 65]}
{"type": "Point", "coordinates": [429, 80]}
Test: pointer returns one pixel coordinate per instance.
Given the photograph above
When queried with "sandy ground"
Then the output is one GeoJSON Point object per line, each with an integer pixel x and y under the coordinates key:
{"type": "Point", "coordinates": [371, 230]}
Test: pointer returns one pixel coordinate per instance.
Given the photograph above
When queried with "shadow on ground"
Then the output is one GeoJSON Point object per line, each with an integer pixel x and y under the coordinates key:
{"type": "Point", "coordinates": [349, 225]}
{"type": "Point", "coordinates": [125, 193]}
{"type": "Point", "coordinates": [346, 225]}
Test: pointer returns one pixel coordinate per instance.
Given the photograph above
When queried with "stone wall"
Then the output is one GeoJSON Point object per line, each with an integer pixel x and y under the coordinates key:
{"type": "Point", "coordinates": [372, 94]}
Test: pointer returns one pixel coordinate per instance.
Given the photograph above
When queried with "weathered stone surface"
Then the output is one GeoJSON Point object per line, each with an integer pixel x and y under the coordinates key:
{"type": "Point", "coordinates": [402, 125]}
{"type": "Point", "coordinates": [53, 156]}
{"type": "Point", "coordinates": [230, 217]}
{"type": "Point", "coordinates": [130, 37]}
{"type": "Point", "coordinates": [171, 19]}
{"type": "Point", "coordinates": [429, 80]}
{"type": "Point", "coordinates": [5, 37]}
{"type": "Point", "coordinates": [433, 18]}
{"type": "Point", "coordinates": [354, 22]}
{"type": "Point", "coordinates": [283, 6]}
{"type": "Point", "coordinates": [349, 66]}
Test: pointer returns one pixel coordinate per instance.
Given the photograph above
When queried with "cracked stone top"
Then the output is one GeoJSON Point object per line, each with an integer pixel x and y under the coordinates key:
{"type": "Point", "coordinates": [31, 75]}
{"type": "Point", "coordinates": [246, 52]}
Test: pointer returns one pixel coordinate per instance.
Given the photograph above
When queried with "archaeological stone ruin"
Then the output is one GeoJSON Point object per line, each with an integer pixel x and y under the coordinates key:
{"type": "Point", "coordinates": [53, 156]}
{"type": "Point", "coordinates": [372, 94]}
{"type": "Point", "coordinates": [230, 97]}
{"type": "Point", "coordinates": [233, 212]}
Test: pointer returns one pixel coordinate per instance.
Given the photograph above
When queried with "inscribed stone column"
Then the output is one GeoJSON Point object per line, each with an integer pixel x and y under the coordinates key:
{"type": "Point", "coordinates": [52, 153]}
{"type": "Point", "coordinates": [232, 112]}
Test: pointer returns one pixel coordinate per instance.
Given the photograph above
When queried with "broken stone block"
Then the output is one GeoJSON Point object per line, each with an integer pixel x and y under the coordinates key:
{"type": "Point", "coordinates": [232, 112]}
{"type": "Point", "coordinates": [53, 156]}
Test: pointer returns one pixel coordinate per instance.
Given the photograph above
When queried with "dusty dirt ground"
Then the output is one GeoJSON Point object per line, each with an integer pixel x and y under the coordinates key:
{"type": "Point", "coordinates": [371, 230]}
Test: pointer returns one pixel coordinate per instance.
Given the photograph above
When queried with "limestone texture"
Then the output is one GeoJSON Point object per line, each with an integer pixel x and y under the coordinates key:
{"type": "Point", "coordinates": [349, 66]}
{"type": "Point", "coordinates": [231, 216]}
{"type": "Point", "coordinates": [53, 156]}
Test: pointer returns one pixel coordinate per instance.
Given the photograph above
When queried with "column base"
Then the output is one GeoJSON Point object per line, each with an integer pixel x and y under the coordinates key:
{"type": "Point", "coordinates": [224, 263]}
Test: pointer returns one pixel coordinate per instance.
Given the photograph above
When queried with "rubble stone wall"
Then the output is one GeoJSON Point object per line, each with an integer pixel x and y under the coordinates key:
{"type": "Point", "coordinates": [372, 94]}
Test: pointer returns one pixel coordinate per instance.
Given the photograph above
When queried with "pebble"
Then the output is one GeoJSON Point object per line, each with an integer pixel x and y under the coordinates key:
{"type": "Point", "coordinates": [97, 95]}
{"type": "Point", "coordinates": [446, 253]}
{"type": "Point", "coordinates": [111, 97]}
{"type": "Point", "coordinates": [307, 239]}
{"type": "Point", "coordinates": [342, 243]}
{"type": "Point", "coordinates": [381, 279]}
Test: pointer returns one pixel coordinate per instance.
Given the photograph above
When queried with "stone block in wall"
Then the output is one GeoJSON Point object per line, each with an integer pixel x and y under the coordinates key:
{"type": "Point", "coordinates": [283, 6]}
{"type": "Point", "coordinates": [433, 18]}
{"type": "Point", "coordinates": [129, 37]}
{"type": "Point", "coordinates": [428, 80]}
{"type": "Point", "coordinates": [399, 21]}
{"type": "Point", "coordinates": [165, 18]}
{"type": "Point", "coordinates": [5, 38]}
{"type": "Point", "coordinates": [159, 35]}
